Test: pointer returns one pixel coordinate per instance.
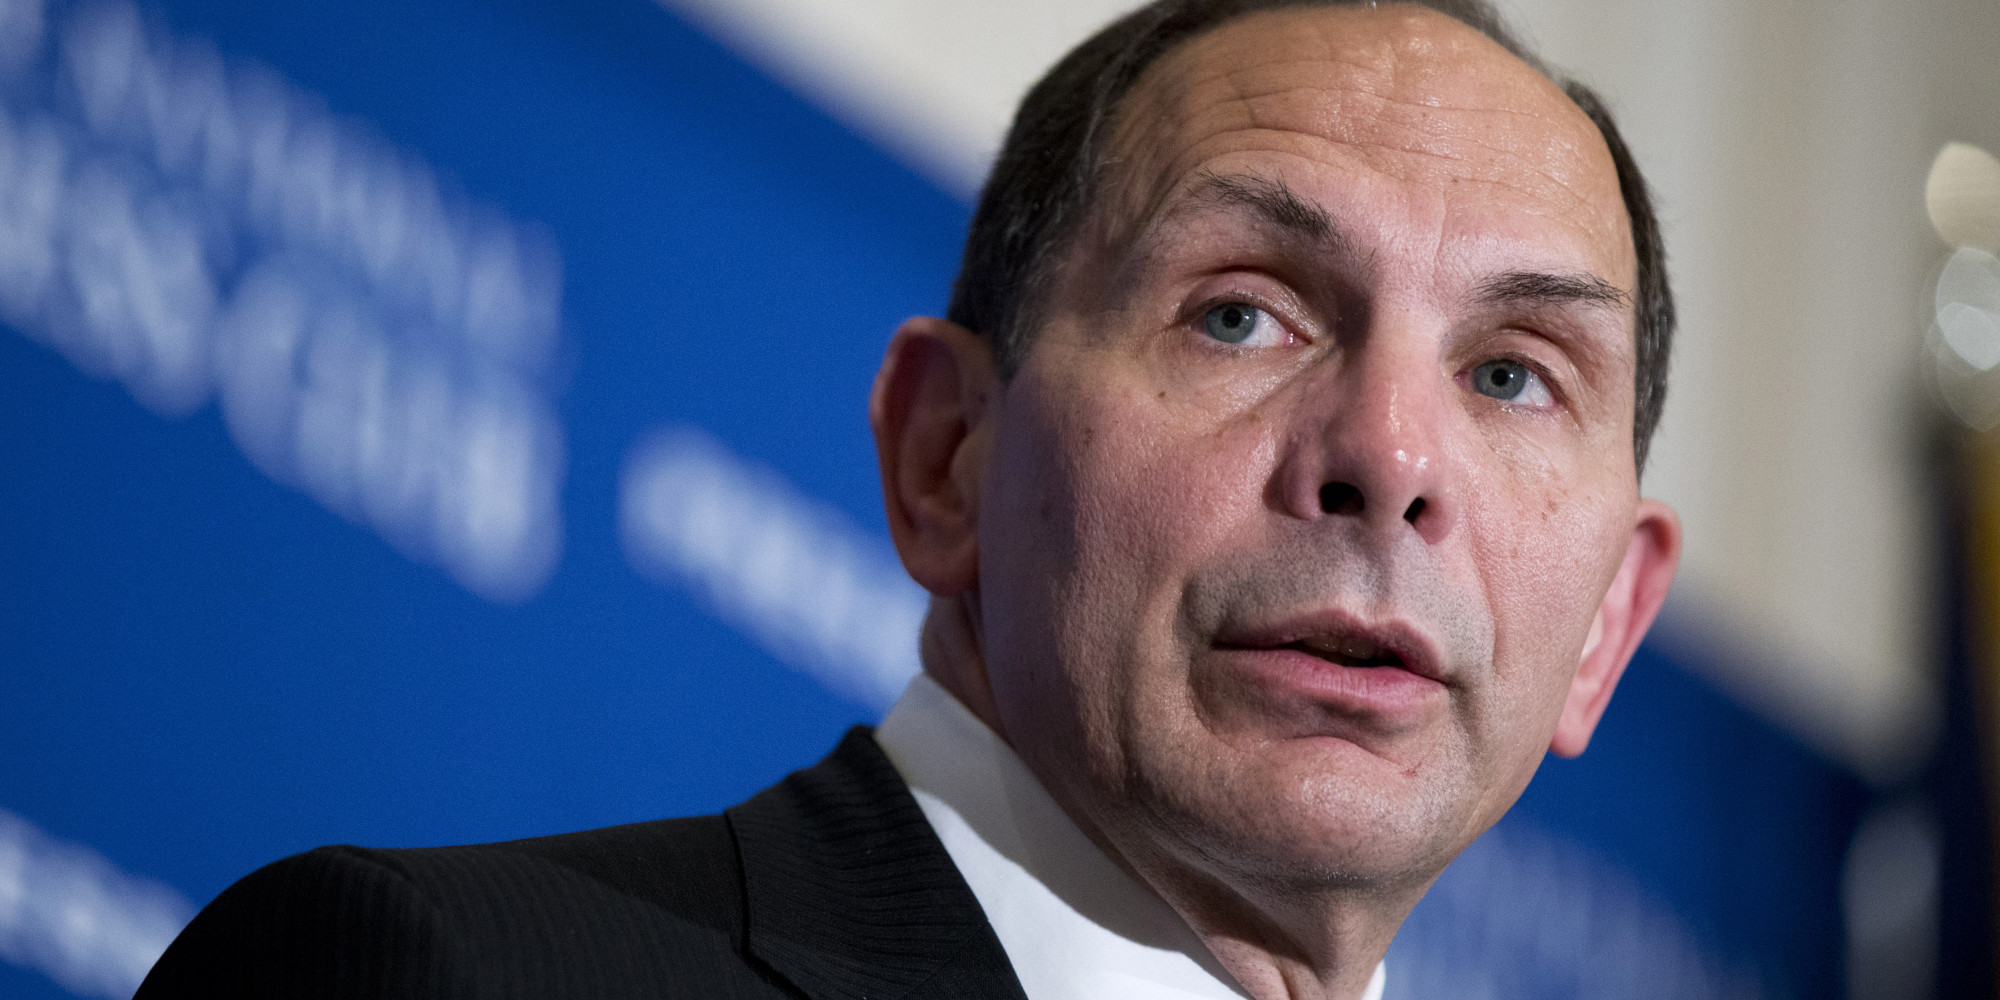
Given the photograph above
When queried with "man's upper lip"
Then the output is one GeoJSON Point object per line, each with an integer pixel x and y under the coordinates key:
{"type": "Point", "coordinates": [1395, 642]}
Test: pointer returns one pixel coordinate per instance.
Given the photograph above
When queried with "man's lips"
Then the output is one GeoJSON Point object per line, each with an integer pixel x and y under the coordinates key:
{"type": "Point", "coordinates": [1345, 641]}
{"type": "Point", "coordinates": [1385, 670]}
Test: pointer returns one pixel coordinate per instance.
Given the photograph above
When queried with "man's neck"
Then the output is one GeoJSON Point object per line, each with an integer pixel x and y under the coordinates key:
{"type": "Point", "coordinates": [1312, 943]}
{"type": "Point", "coordinates": [1315, 943]}
{"type": "Point", "coordinates": [949, 648]}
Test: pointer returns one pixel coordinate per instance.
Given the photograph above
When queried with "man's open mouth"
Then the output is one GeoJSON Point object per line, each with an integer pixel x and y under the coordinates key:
{"type": "Point", "coordinates": [1347, 651]}
{"type": "Point", "coordinates": [1339, 640]}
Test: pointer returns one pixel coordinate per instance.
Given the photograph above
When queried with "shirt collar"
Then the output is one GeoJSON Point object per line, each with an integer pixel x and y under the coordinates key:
{"type": "Point", "coordinates": [1074, 924]}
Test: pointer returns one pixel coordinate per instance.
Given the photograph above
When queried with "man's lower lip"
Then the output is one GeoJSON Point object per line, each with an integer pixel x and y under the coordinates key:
{"type": "Point", "coordinates": [1386, 691]}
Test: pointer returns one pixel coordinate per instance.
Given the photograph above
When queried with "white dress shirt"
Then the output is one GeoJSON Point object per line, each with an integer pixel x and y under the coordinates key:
{"type": "Point", "coordinates": [1075, 925]}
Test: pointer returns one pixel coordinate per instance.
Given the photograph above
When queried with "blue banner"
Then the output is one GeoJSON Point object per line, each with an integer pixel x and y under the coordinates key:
{"type": "Point", "coordinates": [439, 422]}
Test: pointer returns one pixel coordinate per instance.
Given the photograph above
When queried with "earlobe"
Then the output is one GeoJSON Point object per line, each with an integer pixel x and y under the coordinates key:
{"type": "Point", "coordinates": [929, 411]}
{"type": "Point", "coordinates": [1627, 611]}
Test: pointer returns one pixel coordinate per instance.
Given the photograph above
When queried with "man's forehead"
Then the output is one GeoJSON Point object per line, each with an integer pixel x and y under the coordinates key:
{"type": "Point", "coordinates": [1399, 94]}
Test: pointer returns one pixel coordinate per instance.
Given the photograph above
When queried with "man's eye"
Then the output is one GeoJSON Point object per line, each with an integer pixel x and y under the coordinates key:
{"type": "Point", "coordinates": [1239, 324]}
{"type": "Point", "coordinates": [1511, 382]}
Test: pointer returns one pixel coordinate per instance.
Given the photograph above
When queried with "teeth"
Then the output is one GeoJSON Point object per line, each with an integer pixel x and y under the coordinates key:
{"type": "Point", "coordinates": [1345, 647]}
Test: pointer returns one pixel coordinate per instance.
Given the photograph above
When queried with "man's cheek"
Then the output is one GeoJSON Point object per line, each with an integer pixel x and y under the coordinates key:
{"type": "Point", "coordinates": [1535, 583]}
{"type": "Point", "coordinates": [1159, 487]}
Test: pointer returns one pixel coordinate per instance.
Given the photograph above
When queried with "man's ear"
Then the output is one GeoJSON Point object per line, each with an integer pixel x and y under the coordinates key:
{"type": "Point", "coordinates": [1622, 620]}
{"type": "Point", "coordinates": [928, 410]}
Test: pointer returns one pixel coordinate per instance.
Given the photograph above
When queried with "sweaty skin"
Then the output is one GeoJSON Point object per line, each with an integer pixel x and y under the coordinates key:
{"type": "Point", "coordinates": [1280, 600]}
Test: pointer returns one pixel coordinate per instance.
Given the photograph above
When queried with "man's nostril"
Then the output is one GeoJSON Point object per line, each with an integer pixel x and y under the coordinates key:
{"type": "Point", "coordinates": [1340, 498]}
{"type": "Point", "coordinates": [1415, 510]}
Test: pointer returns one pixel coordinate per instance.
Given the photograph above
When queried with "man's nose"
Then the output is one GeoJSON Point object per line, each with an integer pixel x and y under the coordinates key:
{"type": "Point", "coordinates": [1370, 443]}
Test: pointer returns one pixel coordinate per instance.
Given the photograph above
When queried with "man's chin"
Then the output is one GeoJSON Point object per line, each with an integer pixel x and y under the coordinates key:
{"type": "Point", "coordinates": [1322, 811]}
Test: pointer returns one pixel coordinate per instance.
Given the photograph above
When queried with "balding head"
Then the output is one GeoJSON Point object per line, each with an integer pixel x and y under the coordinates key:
{"type": "Point", "coordinates": [1307, 520]}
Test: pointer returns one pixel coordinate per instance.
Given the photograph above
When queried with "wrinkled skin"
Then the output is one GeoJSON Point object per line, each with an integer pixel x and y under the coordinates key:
{"type": "Point", "coordinates": [1285, 623]}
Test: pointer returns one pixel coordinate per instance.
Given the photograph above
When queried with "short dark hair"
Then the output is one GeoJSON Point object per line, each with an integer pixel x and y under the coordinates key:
{"type": "Point", "coordinates": [1048, 170]}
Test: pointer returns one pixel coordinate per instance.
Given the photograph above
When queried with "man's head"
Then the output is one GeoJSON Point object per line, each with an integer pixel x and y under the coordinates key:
{"type": "Point", "coordinates": [1300, 516]}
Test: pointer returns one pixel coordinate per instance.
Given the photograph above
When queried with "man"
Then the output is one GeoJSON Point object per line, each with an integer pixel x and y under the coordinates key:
{"type": "Point", "coordinates": [1276, 480]}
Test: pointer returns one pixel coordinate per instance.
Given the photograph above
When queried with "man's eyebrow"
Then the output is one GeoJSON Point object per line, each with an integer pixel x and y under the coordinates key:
{"type": "Point", "coordinates": [1271, 201]}
{"type": "Point", "coordinates": [1538, 288]}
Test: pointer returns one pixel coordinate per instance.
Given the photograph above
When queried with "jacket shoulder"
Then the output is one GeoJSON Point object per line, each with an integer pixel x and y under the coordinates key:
{"type": "Point", "coordinates": [650, 909]}
{"type": "Point", "coordinates": [684, 869]}
{"type": "Point", "coordinates": [324, 924]}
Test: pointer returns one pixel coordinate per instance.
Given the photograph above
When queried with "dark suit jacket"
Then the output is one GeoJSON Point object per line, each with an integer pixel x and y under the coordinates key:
{"type": "Point", "coordinates": [829, 884]}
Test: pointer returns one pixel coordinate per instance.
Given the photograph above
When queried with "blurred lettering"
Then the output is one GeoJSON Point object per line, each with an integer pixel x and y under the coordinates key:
{"type": "Point", "coordinates": [194, 228]}
{"type": "Point", "coordinates": [73, 915]}
{"type": "Point", "coordinates": [814, 591]}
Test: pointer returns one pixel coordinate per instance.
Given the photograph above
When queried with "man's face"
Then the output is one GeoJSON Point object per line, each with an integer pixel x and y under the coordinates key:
{"type": "Point", "coordinates": [1302, 502]}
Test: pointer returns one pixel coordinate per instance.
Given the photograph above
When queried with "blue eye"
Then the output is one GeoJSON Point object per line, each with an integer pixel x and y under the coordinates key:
{"type": "Point", "coordinates": [1233, 322]}
{"type": "Point", "coordinates": [1511, 382]}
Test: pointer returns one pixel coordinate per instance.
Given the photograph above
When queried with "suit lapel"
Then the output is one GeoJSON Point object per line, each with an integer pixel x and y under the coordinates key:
{"type": "Point", "coordinates": [849, 893]}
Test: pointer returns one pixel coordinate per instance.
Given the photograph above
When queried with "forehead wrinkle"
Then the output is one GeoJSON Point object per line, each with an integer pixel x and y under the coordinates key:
{"type": "Point", "coordinates": [1377, 137]}
{"type": "Point", "coordinates": [1351, 124]}
{"type": "Point", "coordinates": [1148, 214]}
{"type": "Point", "coordinates": [1411, 59]}
{"type": "Point", "coordinates": [1375, 97]}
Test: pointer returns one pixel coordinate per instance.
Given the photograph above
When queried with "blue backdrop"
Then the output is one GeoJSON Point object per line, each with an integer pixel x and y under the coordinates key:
{"type": "Point", "coordinates": [221, 645]}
